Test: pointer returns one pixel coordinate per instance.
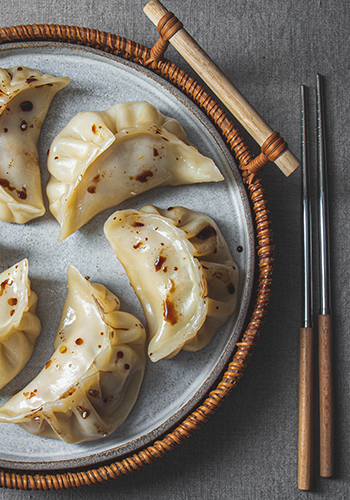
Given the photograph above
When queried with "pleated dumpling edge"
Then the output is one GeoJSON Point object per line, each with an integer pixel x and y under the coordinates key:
{"type": "Point", "coordinates": [25, 96]}
{"type": "Point", "coordinates": [181, 270]}
{"type": "Point", "coordinates": [101, 158]}
{"type": "Point", "coordinates": [19, 323]}
{"type": "Point", "coordinates": [91, 382]}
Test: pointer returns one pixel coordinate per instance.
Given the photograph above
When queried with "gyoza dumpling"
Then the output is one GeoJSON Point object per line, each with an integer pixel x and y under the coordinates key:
{"type": "Point", "coordinates": [25, 96]}
{"type": "Point", "coordinates": [19, 324]}
{"type": "Point", "coordinates": [90, 384]}
{"type": "Point", "coordinates": [182, 272]}
{"type": "Point", "coordinates": [105, 157]}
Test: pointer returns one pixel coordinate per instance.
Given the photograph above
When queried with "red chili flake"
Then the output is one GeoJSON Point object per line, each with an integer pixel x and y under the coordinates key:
{"type": "Point", "coordinates": [159, 262]}
{"type": "Point", "coordinates": [26, 106]}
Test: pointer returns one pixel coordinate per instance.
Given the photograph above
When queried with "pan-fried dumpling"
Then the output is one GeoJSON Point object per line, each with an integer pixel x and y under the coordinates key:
{"type": "Point", "coordinates": [90, 384]}
{"type": "Point", "coordinates": [19, 324]}
{"type": "Point", "coordinates": [25, 96]}
{"type": "Point", "coordinates": [105, 157]}
{"type": "Point", "coordinates": [182, 272]}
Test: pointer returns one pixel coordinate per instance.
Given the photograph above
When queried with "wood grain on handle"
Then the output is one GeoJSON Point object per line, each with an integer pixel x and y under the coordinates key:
{"type": "Point", "coordinates": [305, 408]}
{"type": "Point", "coordinates": [221, 85]}
{"type": "Point", "coordinates": [326, 394]}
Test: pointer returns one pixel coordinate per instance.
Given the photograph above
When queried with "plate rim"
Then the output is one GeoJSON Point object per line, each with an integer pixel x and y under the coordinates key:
{"type": "Point", "coordinates": [101, 456]}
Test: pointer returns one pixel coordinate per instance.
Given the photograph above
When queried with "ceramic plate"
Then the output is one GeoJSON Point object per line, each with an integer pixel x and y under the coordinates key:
{"type": "Point", "coordinates": [171, 388]}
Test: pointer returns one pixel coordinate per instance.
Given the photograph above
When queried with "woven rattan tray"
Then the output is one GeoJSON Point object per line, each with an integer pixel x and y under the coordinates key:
{"type": "Point", "coordinates": [126, 49]}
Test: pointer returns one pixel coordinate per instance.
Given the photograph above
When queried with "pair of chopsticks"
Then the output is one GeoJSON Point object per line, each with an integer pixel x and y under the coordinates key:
{"type": "Point", "coordinates": [305, 454]}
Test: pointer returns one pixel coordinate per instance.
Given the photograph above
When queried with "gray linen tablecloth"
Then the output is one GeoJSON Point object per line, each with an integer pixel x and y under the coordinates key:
{"type": "Point", "coordinates": [248, 450]}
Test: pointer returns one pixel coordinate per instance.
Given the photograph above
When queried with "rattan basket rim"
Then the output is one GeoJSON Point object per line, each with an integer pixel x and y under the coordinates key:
{"type": "Point", "coordinates": [135, 52]}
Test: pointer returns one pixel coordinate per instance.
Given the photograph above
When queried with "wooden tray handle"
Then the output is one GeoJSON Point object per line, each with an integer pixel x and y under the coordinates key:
{"type": "Point", "coordinates": [221, 85]}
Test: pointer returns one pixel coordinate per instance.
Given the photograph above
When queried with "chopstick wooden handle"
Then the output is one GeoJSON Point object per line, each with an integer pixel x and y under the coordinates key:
{"type": "Point", "coordinates": [326, 394]}
{"type": "Point", "coordinates": [221, 85]}
{"type": "Point", "coordinates": [305, 408]}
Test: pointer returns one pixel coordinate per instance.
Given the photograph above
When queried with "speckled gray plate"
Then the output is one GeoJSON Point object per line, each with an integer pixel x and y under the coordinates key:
{"type": "Point", "coordinates": [171, 388]}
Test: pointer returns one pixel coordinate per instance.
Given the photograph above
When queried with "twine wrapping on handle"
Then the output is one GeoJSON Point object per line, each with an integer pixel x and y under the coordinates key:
{"type": "Point", "coordinates": [167, 27]}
